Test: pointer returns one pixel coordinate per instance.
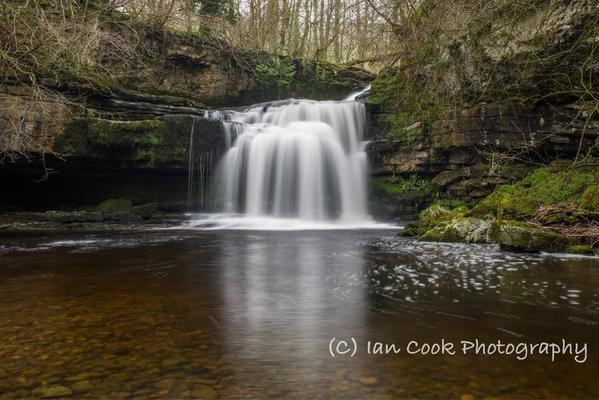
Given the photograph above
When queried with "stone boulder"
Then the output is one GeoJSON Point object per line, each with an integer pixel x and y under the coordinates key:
{"type": "Point", "coordinates": [515, 235]}
{"type": "Point", "coordinates": [118, 210]}
{"type": "Point", "coordinates": [459, 230]}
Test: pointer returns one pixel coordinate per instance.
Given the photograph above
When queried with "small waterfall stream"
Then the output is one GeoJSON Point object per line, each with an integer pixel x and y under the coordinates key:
{"type": "Point", "coordinates": [294, 159]}
{"type": "Point", "coordinates": [199, 171]}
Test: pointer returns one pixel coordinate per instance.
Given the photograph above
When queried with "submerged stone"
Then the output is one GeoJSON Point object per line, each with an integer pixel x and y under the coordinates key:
{"type": "Point", "coordinates": [82, 386]}
{"type": "Point", "coordinates": [73, 216]}
{"type": "Point", "coordinates": [52, 392]}
{"type": "Point", "coordinates": [515, 235]}
{"type": "Point", "coordinates": [204, 392]}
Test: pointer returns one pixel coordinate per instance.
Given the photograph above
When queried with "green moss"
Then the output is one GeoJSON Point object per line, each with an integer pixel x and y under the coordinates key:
{"type": "Point", "coordinates": [436, 214]}
{"type": "Point", "coordinates": [278, 72]}
{"type": "Point", "coordinates": [127, 133]}
{"type": "Point", "coordinates": [458, 230]}
{"type": "Point", "coordinates": [508, 201]}
{"type": "Point", "coordinates": [516, 235]}
{"type": "Point", "coordinates": [451, 203]}
{"type": "Point", "coordinates": [118, 210]}
{"type": "Point", "coordinates": [407, 107]}
{"type": "Point", "coordinates": [397, 186]}
{"type": "Point", "coordinates": [410, 230]}
{"type": "Point", "coordinates": [543, 187]}
{"type": "Point", "coordinates": [111, 206]}
{"type": "Point", "coordinates": [580, 249]}
{"type": "Point", "coordinates": [149, 141]}
{"type": "Point", "coordinates": [590, 199]}
{"type": "Point", "coordinates": [73, 140]}
{"type": "Point", "coordinates": [146, 211]}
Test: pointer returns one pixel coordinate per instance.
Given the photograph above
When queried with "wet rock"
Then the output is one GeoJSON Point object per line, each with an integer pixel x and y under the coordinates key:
{"type": "Point", "coordinates": [410, 230]}
{"type": "Point", "coordinates": [515, 235]}
{"type": "Point", "coordinates": [145, 211]}
{"type": "Point", "coordinates": [446, 178]}
{"type": "Point", "coordinates": [581, 249]}
{"type": "Point", "coordinates": [73, 216]}
{"type": "Point", "coordinates": [459, 230]}
{"type": "Point", "coordinates": [117, 210]}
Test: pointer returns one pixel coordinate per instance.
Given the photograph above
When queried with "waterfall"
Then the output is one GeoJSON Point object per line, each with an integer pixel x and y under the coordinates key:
{"type": "Point", "coordinates": [359, 94]}
{"type": "Point", "coordinates": [294, 159]}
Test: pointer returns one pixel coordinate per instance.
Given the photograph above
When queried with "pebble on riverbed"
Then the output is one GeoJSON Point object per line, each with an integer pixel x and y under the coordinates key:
{"type": "Point", "coordinates": [52, 392]}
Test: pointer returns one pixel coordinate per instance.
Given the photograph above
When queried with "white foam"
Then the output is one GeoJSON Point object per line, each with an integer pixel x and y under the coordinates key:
{"type": "Point", "coordinates": [245, 222]}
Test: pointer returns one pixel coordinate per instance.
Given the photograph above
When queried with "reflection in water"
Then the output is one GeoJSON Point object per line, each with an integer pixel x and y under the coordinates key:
{"type": "Point", "coordinates": [236, 314]}
{"type": "Point", "coordinates": [283, 295]}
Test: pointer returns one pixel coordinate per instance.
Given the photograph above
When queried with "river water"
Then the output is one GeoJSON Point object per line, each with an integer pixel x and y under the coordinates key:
{"type": "Point", "coordinates": [233, 314]}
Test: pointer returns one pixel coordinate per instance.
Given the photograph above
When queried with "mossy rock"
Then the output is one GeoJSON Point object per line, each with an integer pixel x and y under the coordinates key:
{"type": "Point", "coordinates": [436, 213]}
{"type": "Point", "coordinates": [410, 230]}
{"type": "Point", "coordinates": [516, 235]}
{"type": "Point", "coordinates": [145, 143]}
{"type": "Point", "coordinates": [115, 205]}
{"type": "Point", "coordinates": [458, 230]}
{"type": "Point", "coordinates": [145, 211]}
{"type": "Point", "coordinates": [67, 217]}
{"type": "Point", "coordinates": [433, 215]}
{"type": "Point", "coordinates": [506, 201]}
{"type": "Point", "coordinates": [590, 199]}
{"type": "Point", "coordinates": [118, 210]}
{"type": "Point", "coordinates": [581, 249]}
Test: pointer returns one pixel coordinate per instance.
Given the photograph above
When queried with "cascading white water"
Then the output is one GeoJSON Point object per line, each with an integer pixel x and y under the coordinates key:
{"type": "Point", "coordinates": [295, 159]}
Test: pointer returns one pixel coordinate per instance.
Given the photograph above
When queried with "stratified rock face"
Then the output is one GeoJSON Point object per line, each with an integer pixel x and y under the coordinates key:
{"type": "Point", "coordinates": [162, 142]}
{"type": "Point", "coordinates": [469, 154]}
{"type": "Point", "coordinates": [516, 94]}
{"type": "Point", "coordinates": [459, 153]}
